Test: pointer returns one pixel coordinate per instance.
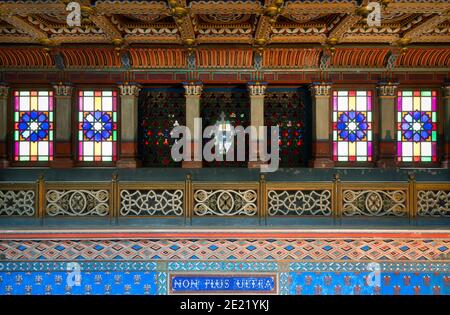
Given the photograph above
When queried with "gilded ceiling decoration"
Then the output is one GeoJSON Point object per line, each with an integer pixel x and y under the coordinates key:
{"type": "Point", "coordinates": [192, 25]}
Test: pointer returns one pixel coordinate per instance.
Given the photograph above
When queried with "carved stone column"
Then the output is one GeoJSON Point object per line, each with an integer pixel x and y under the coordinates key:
{"type": "Point", "coordinates": [63, 156]}
{"type": "Point", "coordinates": [322, 141]}
{"type": "Point", "coordinates": [193, 92]}
{"type": "Point", "coordinates": [4, 89]}
{"type": "Point", "coordinates": [129, 94]}
{"type": "Point", "coordinates": [446, 122]}
{"type": "Point", "coordinates": [387, 93]}
{"type": "Point", "coordinates": [257, 91]}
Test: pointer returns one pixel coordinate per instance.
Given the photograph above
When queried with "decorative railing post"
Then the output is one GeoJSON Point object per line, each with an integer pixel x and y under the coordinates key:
{"type": "Point", "coordinates": [3, 125]}
{"type": "Point", "coordinates": [262, 200]}
{"type": "Point", "coordinates": [412, 197]}
{"type": "Point", "coordinates": [129, 94]}
{"type": "Point", "coordinates": [322, 141]}
{"type": "Point", "coordinates": [115, 197]}
{"type": "Point", "coordinates": [387, 93]}
{"type": "Point", "coordinates": [336, 199]}
{"type": "Point", "coordinates": [193, 92]}
{"type": "Point", "coordinates": [446, 118]}
{"type": "Point", "coordinates": [257, 91]}
{"type": "Point", "coordinates": [40, 192]}
{"type": "Point", "coordinates": [188, 199]}
{"type": "Point", "coordinates": [63, 121]}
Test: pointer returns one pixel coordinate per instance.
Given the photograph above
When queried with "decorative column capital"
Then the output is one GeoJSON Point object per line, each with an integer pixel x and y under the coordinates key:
{"type": "Point", "coordinates": [446, 88]}
{"type": "Point", "coordinates": [129, 89]}
{"type": "Point", "coordinates": [63, 89]}
{"type": "Point", "coordinates": [257, 88]}
{"type": "Point", "coordinates": [193, 88]}
{"type": "Point", "coordinates": [4, 90]}
{"type": "Point", "coordinates": [387, 89]}
{"type": "Point", "coordinates": [320, 89]}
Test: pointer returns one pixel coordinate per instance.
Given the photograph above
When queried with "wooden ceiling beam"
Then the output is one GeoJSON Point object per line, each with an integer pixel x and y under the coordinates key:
{"type": "Point", "coordinates": [25, 27]}
{"type": "Point", "coordinates": [110, 30]}
{"type": "Point", "coordinates": [414, 33]}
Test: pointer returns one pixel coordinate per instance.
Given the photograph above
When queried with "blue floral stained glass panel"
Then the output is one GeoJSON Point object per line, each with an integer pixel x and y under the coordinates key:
{"type": "Point", "coordinates": [97, 126]}
{"type": "Point", "coordinates": [417, 126]}
{"type": "Point", "coordinates": [33, 126]}
{"type": "Point", "coordinates": [352, 126]}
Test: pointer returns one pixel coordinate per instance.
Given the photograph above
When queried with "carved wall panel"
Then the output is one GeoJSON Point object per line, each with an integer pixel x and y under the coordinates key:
{"type": "Point", "coordinates": [299, 202]}
{"type": "Point", "coordinates": [225, 202]}
{"type": "Point", "coordinates": [151, 202]}
{"type": "Point", "coordinates": [17, 202]}
{"type": "Point", "coordinates": [374, 202]}
{"type": "Point", "coordinates": [77, 202]}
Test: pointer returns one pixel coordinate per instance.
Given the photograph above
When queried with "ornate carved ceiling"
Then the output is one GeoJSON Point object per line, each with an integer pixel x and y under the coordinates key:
{"type": "Point", "coordinates": [197, 22]}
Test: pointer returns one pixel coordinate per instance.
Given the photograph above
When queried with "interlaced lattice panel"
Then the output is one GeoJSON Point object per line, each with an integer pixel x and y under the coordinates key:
{"type": "Point", "coordinates": [77, 202]}
{"type": "Point", "coordinates": [299, 202]}
{"type": "Point", "coordinates": [234, 103]}
{"type": "Point", "coordinates": [375, 202]}
{"type": "Point", "coordinates": [17, 202]}
{"type": "Point", "coordinates": [159, 110]}
{"type": "Point", "coordinates": [290, 110]}
{"type": "Point", "coordinates": [225, 202]}
{"type": "Point", "coordinates": [151, 202]}
{"type": "Point", "coordinates": [434, 203]}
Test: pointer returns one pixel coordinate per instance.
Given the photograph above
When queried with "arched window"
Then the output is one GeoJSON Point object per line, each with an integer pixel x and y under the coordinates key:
{"type": "Point", "coordinates": [417, 126]}
{"type": "Point", "coordinates": [352, 126]}
{"type": "Point", "coordinates": [33, 126]}
{"type": "Point", "coordinates": [97, 126]}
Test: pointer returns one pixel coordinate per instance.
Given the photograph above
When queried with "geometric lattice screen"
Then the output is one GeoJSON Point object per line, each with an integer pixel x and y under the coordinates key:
{"type": "Point", "coordinates": [97, 126]}
{"type": "Point", "coordinates": [290, 110]}
{"type": "Point", "coordinates": [160, 109]}
{"type": "Point", "coordinates": [352, 126]}
{"type": "Point", "coordinates": [226, 106]}
{"type": "Point", "coordinates": [33, 125]}
{"type": "Point", "coordinates": [417, 126]}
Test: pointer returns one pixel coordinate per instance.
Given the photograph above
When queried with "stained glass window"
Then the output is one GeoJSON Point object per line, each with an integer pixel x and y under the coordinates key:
{"type": "Point", "coordinates": [160, 110]}
{"type": "Point", "coordinates": [97, 126]}
{"type": "Point", "coordinates": [290, 110]}
{"type": "Point", "coordinates": [33, 125]}
{"type": "Point", "coordinates": [416, 126]}
{"type": "Point", "coordinates": [352, 126]}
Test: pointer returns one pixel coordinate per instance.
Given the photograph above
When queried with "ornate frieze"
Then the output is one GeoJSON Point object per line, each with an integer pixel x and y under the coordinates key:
{"type": "Point", "coordinates": [193, 88]}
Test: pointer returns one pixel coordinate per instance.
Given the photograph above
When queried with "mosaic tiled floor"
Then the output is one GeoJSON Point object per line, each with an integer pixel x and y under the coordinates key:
{"type": "Point", "coordinates": [267, 266]}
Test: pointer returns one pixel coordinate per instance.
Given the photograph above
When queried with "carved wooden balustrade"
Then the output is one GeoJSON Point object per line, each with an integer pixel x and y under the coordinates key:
{"type": "Point", "coordinates": [237, 203]}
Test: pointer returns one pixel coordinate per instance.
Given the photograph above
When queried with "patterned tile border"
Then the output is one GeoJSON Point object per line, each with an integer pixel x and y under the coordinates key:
{"type": "Point", "coordinates": [225, 250]}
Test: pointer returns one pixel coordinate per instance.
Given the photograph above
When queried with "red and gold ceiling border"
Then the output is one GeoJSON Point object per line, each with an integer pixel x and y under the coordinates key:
{"type": "Point", "coordinates": [219, 58]}
{"type": "Point", "coordinates": [25, 58]}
